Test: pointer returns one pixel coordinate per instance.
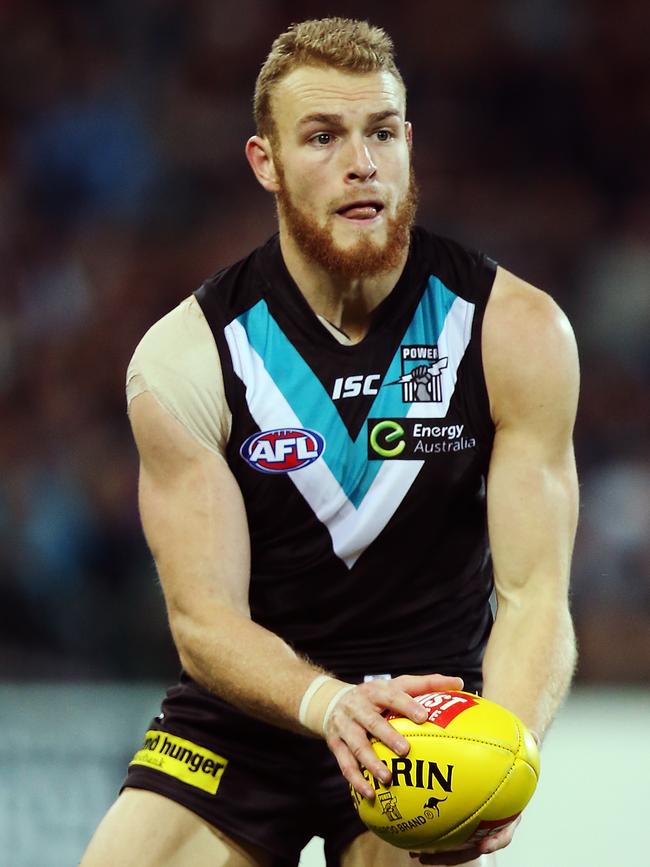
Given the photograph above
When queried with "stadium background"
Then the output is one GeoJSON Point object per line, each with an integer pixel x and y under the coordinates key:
{"type": "Point", "coordinates": [123, 184]}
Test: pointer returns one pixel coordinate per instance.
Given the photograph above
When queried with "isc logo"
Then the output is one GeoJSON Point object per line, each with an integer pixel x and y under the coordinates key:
{"type": "Point", "coordinates": [353, 386]}
{"type": "Point", "coordinates": [282, 450]}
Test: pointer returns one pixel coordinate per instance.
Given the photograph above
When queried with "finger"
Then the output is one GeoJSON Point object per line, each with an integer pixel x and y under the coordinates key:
{"type": "Point", "coordinates": [450, 858]}
{"type": "Point", "coordinates": [368, 759]}
{"type": "Point", "coordinates": [403, 705]}
{"type": "Point", "coordinates": [352, 720]}
{"type": "Point", "coordinates": [350, 768]}
{"type": "Point", "coordinates": [383, 731]}
{"type": "Point", "coordinates": [401, 701]}
{"type": "Point", "coordinates": [417, 684]}
{"type": "Point", "coordinates": [500, 839]}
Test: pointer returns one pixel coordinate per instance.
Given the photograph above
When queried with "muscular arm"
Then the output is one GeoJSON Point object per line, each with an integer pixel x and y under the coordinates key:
{"type": "Point", "coordinates": [531, 371]}
{"type": "Point", "coordinates": [195, 523]}
{"type": "Point", "coordinates": [532, 376]}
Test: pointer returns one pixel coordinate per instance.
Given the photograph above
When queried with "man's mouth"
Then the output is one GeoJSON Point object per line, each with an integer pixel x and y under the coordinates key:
{"type": "Point", "coordinates": [364, 210]}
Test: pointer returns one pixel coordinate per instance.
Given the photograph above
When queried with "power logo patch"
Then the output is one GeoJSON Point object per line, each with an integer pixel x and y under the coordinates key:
{"type": "Point", "coordinates": [181, 759]}
{"type": "Point", "coordinates": [421, 378]}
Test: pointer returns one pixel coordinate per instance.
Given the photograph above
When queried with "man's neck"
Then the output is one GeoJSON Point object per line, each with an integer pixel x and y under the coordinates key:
{"type": "Point", "coordinates": [347, 303]}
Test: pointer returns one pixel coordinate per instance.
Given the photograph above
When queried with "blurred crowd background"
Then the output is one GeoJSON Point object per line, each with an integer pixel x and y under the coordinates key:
{"type": "Point", "coordinates": [123, 184]}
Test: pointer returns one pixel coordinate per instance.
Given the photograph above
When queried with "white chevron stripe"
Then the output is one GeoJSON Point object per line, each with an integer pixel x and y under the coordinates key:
{"type": "Point", "coordinates": [352, 529]}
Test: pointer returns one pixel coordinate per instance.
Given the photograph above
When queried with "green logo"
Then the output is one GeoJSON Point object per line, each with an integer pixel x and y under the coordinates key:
{"type": "Point", "coordinates": [395, 431]}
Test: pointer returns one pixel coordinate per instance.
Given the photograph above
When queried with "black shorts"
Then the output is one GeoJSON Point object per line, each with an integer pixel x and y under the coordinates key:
{"type": "Point", "coordinates": [257, 783]}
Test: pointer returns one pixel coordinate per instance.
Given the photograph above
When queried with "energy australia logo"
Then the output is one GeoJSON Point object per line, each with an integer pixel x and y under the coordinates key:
{"type": "Point", "coordinates": [421, 378]}
{"type": "Point", "coordinates": [413, 439]}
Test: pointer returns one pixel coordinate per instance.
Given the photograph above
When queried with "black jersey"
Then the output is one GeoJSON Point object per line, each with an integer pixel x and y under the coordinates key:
{"type": "Point", "coordinates": [362, 467]}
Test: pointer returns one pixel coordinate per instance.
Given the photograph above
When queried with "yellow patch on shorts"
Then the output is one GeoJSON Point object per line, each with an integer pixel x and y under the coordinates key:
{"type": "Point", "coordinates": [181, 759]}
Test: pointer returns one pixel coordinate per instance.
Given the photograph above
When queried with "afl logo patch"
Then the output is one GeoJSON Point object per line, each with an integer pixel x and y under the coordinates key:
{"type": "Point", "coordinates": [282, 450]}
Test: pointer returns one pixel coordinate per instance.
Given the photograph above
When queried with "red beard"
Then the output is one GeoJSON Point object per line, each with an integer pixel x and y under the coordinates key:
{"type": "Point", "coordinates": [365, 258]}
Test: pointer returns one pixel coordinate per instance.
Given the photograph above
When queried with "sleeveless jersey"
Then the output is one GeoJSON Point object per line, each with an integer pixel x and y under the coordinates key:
{"type": "Point", "coordinates": [363, 467]}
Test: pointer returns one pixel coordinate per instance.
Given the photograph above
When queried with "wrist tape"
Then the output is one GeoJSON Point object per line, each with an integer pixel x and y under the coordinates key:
{"type": "Point", "coordinates": [319, 700]}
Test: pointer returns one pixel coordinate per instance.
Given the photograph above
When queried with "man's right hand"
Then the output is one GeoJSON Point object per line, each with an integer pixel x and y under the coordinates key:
{"type": "Point", "coordinates": [358, 714]}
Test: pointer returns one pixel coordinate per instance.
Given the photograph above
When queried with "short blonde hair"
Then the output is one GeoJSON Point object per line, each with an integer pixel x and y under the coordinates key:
{"type": "Point", "coordinates": [341, 43]}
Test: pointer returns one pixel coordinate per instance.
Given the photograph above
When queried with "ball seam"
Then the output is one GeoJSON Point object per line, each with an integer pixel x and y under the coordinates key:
{"type": "Point", "coordinates": [492, 794]}
{"type": "Point", "coordinates": [457, 737]}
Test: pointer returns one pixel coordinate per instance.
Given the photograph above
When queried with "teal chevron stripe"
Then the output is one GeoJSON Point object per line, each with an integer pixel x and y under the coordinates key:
{"type": "Point", "coordinates": [301, 388]}
{"type": "Point", "coordinates": [346, 458]}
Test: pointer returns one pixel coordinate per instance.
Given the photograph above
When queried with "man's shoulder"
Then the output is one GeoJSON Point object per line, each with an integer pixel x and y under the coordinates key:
{"type": "Point", "coordinates": [464, 269]}
{"type": "Point", "coordinates": [186, 329]}
{"type": "Point", "coordinates": [520, 307]}
{"type": "Point", "coordinates": [178, 328]}
{"type": "Point", "coordinates": [528, 345]}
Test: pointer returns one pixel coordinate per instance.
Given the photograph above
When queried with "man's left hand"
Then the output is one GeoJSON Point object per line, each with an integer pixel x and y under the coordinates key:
{"type": "Point", "coordinates": [462, 856]}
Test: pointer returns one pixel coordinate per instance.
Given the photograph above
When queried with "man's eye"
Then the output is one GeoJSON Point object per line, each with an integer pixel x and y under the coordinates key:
{"type": "Point", "coordinates": [323, 138]}
{"type": "Point", "coordinates": [384, 134]}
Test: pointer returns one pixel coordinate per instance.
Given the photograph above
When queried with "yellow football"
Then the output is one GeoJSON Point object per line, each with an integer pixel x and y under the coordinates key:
{"type": "Point", "coordinates": [472, 768]}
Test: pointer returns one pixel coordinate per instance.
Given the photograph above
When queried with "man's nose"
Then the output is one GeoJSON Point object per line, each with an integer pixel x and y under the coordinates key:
{"type": "Point", "coordinates": [360, 163]}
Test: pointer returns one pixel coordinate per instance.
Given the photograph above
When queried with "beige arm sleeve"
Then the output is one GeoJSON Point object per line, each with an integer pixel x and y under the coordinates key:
{"type": "Point", "coordinates": [178, 362]}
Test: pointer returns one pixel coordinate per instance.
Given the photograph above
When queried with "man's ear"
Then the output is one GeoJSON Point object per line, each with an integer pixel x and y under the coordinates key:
{"type": "Point", "coordinates": [260, 156]}
{"type": "Point", "coordinates": [408, 127]}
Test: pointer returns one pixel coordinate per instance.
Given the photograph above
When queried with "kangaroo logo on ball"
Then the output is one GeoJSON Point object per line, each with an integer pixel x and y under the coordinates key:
{"type": "Point", "coordinates": [432, 804]}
